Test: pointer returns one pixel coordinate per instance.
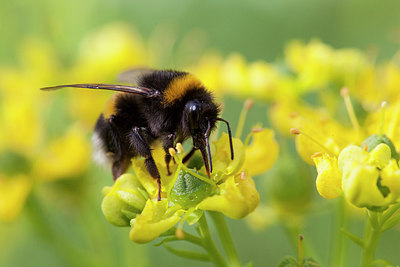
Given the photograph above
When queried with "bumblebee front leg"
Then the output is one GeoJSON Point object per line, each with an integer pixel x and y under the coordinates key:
{"type": "Point", "coordinates": [142, 148]}
{"type": "Point", "coordinates": [168, 142]}
{"type": "Point", "coordinates": [189, 155]}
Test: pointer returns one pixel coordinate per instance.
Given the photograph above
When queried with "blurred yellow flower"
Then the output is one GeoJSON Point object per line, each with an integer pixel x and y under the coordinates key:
{"type": "Point", "coordinates": [22, 134]}
{"type": "Point", "coordinates": [67, 156]}
{"type": "Point", "coordinates": [317, 65]}
{"type": "Point", "coordinates": [102, 56]}
{"type": "Point", "coordinates": [262, 152]}
{"type": "Point", "coordinates": [234, 76]}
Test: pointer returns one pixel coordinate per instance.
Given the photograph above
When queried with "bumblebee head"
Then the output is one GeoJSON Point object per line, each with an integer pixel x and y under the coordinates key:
{"type": "Point", "coordinates": [200, 122]}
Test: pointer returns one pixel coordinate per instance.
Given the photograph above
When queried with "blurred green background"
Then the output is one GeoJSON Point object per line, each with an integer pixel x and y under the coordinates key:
{"type": "Point", "coordinates": [259, 30]}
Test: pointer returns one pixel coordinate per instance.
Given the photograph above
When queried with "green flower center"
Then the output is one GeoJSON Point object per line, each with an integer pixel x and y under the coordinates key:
{"type": "Point", "coordinates": [188, 190]}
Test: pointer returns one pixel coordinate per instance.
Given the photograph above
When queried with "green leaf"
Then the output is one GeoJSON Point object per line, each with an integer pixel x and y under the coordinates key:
{"type": "Point", "coordinates": [353, 238]}
{"type": "Point", "coordinates": [390, 223]}
{"type": "Point", "coordinates": [188, 254]}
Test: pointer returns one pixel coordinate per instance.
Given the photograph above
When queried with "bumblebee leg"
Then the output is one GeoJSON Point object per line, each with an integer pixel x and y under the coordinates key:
{"type": "Point", "coordinates": [107, 142]}
{"type": "Point", "coordinates": [143, 149]}
{"type": "Point", "coordinates": [119, 166]}
{"type": "Point", "coordinates": [168, 142]}
{"type": "Point", "coordinates": [188, 155]}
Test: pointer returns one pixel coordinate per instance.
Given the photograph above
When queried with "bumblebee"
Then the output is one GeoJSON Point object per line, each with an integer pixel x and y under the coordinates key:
{"type": "Point", "coordinates": [166, 105]}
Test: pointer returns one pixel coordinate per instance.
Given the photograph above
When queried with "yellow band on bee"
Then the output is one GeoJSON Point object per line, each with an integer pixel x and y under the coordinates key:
{"type": "Point", "coordinates": [179, 86]}
{"type": "Point", "coordinates": [110, 108]}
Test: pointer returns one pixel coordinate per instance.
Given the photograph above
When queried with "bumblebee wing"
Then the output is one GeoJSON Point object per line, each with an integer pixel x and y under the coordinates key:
{"type": "Point", "coordinates": [137, 90]}
{"type": "Point", "coordinates": [133, 75]}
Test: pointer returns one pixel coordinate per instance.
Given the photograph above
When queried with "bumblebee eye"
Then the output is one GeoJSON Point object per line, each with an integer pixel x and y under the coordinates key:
{"type": "Point", "coordinates": [193, 111]}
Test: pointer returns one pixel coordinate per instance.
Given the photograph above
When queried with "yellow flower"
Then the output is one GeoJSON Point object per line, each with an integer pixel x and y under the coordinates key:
{"type": "Point", "coordinates": [262, 152]}
{"type": "Point", "coordinates": [229, 191]}
{"type": "Point", "coordinates": [237, 198]}
{"type": "Point", "coordinates": [155, 219]}
{"type": "Point", "coordinates": [369, 179]}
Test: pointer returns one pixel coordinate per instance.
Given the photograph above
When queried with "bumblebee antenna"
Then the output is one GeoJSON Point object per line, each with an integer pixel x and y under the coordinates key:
{"type": "Point", "coordinates": [207, 135]}
{"type": "Point", "coordinates": [230, 135]}
{"type": "Point", "coordinates": [137, 90]}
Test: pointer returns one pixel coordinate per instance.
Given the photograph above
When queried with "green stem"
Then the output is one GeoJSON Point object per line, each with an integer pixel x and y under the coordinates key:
{"type": "Point", "coordinates": [193, 239]}
{"type": "Point", "coordinates": [338, 248]}
{"type": "Point", "coordinates": [372, 236]}
{"type": "Point", "coordinates": [208, 243]}
{"type": "Point", "coordinates": [225, 237]}
{"type": "Point", "coordinates": [293, 231]}
{"type": "Point", "coordinates": [242, 120]}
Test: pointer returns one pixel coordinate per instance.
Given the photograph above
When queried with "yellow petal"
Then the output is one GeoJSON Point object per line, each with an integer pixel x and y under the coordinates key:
{"type": "Point", "coordinates": [262, 153]}
{"type": "Point", "coordinates": [329, 179]}
{"type": "Point", "coordinates": [391, 178]}
{"type": "Point", "coordinates": [380, 156]}
{"type": "Point", "coordinates": [360, 187]}
{"type": "Point", "coordinates": [153, 221]}
{"type": "Point", "coordinates": [349, 156]}
{"type": "Point", "coordinates": [221, 157]}
{"type": "Point", "coordinates": [238, 197]}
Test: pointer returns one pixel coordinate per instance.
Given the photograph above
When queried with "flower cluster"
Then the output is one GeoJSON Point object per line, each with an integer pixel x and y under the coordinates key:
{"type": "Point", "coordinates": [31, 151]}
{"type": "Point", "coordinates": [188, 192]}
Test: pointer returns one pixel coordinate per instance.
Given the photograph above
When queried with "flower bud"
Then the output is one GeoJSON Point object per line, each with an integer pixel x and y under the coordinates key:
{"type": "Point", "coordinates": [123, 200]}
